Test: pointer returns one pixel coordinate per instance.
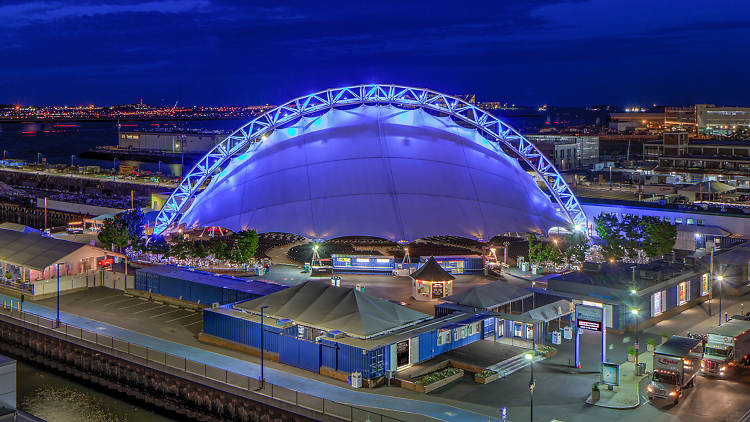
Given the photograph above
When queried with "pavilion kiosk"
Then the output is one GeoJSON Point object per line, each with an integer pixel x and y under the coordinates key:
{"type": "Point", "coordinates": [431, 281]}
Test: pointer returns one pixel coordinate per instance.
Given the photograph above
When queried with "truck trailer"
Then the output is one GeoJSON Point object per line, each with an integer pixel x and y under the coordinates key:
{"type": "Point", "coordinates": [727, 348]}
{"type": "Point", "coordinates": [676, 364]}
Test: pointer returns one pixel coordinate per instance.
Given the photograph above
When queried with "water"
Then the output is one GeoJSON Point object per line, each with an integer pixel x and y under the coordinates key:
{"type": "Point", "coordinates": [57, 399]}
{"type": "Point", "coordinates": [57, 141]}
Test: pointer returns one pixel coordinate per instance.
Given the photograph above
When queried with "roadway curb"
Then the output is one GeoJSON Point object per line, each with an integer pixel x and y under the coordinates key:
{"type": "Point", "coordinates": [637, 403]}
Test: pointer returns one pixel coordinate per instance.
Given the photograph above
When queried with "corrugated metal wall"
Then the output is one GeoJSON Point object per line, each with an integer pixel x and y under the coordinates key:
{"type": "Point", "coordinates": [240, 330]}
{"type": "Point", "coordinates": [188, 290]}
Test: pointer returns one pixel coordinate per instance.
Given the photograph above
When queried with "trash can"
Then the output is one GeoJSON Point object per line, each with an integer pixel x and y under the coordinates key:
{"type": "Point", "coordinates": [641, 369]}
{"type": "Point", "coordinates": [356, 379]}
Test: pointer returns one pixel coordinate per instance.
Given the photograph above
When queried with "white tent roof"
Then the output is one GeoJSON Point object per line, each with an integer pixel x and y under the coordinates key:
{"type": "Point", "coordinates": [330, 308]}
{"type": "Point", "coordinates": [377, 171]}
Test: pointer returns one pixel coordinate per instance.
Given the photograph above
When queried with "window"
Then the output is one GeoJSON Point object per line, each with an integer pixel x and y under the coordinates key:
{"type": "Point", "coordinates": [529, 331]}
{"type": "Point", "coordinates": [657, 306]}
{"type": "Point", "coordinates": [704, 285]}
{"type": "Point", "coordinates": [678, 220]}
{"type": "Point", "coordinates": [683, 292]}
{"type": "Point", "coordinates": [470, 329]}
{"type": "Point", "coordinates": [518, 329]}
{"type": "Point", "coordinates": [500, 328]}
{"type": "Point", "coordinates": [444, 337]}
{"type": "Point", "coordinates": [701, 222]}
{"type": "Point", "coordinates": [668, 219]}
{"type": "Point", "coordinates": [690, 221]}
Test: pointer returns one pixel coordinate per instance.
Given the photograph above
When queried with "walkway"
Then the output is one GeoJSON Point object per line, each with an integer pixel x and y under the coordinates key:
{"type": "Point", "coordinates": [291, 381]}
{"type": "Point", "coordinates": [627, 394]}
{"type": "Point", "coordinates": [279, 255]}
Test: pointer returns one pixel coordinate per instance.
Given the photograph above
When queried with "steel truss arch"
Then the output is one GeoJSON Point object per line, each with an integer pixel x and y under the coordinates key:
{"type": "Point", "coordinates": [248, 137]}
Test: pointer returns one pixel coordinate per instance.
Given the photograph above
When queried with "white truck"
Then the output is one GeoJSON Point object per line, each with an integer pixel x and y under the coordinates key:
{"type": "Point", "coordinates": [676, 364]}
{"type": "Point", "coordinates": [727, 348]}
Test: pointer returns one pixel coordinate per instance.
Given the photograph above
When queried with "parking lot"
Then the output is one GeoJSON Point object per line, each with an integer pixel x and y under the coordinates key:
{"type": "Point", "coordinates": [132, 312]}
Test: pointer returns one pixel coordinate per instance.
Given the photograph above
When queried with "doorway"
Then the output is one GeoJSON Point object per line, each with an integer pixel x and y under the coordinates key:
{"type": "Point", "coordinates": [402, 353]}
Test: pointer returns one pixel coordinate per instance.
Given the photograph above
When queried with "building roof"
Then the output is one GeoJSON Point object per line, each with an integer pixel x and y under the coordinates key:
{"type": "Point", "coordinates": [739, 255]}
{"type": "Point", "coordinates": [551, 311]}
{"type": "Point", "coordinates": [431, 271]}
{"type": "Point", "coordinates": [708, 187]}
{"type": "Point", "coordinates": [18, 227]}
{"type": "Point", "coordinates": [731, 328]}
{"type": "Point", "coordinates": [677, 346]}
{"type": "Point", "coordinates": [375, 170]}
{"type": "Point", "coordinates": [331, 308]}
{"type": "Point", "coordinates": [256, 287]}
{"type": "Point", "coordinates": [37, 251]}
{"type": "Point", "coordinates": [488, 296]}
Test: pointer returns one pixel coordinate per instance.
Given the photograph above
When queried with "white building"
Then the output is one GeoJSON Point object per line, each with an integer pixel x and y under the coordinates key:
{"type": "Point", "coordinates": [568, 151]}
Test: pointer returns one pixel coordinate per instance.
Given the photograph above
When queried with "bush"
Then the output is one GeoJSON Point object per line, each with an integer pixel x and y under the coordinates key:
{"type": "Point", "coordinates": [439, 375]}
{"type": "Point", "coordinates": [651, 342]}
{"type": "Point", "coordinates": [486, 373]}
{"type": "Point", "coordinates": [631, 350]}
{"type": "Point", "coordinates": [595, 387]}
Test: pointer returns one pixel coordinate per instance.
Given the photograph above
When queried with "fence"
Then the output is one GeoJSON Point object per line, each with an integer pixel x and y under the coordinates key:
{"type": "Point", "coordinates": [222, 376]}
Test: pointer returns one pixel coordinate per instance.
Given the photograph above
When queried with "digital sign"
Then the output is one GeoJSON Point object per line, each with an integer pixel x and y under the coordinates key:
{"type": "Point", "coordinates": [588, 325]}
{"type": "Point", "coordinates": [589, 317]}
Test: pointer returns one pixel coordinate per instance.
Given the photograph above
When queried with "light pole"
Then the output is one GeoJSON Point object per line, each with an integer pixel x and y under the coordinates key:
{"type": "Point", "coordinates": [57, 321]}
{"type": "Point", "coordinates": [532, 381]}
{"type": "Point", "coordinates": [114, 168]}
{"type": "Point", "coordinates": [4, 152]}
{"type": "Point", "coordinates": [262, 328]}
{"type": "Point", "coordinates": [720, 279]}
{"type": "Point", "coordinates": [635, 312]}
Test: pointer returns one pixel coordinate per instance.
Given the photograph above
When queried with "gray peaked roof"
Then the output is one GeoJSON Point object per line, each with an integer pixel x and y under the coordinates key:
{"type": "Point", "coordinates": [330, 308]}
{"type": "Point", "coordinates": [35, 250]}
{"type": "Point", "coordinates": [488, 296]}
{"type": "Point", "coordinates": [431, 271]}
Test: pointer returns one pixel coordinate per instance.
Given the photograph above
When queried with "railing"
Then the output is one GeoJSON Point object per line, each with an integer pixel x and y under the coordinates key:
{"type": "Point", "coordinates": [222, 376]}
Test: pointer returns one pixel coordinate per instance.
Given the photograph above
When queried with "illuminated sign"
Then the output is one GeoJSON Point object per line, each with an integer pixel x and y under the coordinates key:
{"type": "Point", "coordinates": [589, 317]}
{"type": "Point", "coordinates": [588, 325]}
{"type": "Point", "coordinates": [610, 373]}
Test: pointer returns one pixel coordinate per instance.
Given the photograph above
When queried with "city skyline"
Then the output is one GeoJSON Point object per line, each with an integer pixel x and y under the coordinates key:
{"type": "Point", "coordinates": [223, 52]}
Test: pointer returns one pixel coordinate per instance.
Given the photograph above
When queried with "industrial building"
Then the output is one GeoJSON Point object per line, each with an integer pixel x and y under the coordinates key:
{"type": "Point", "coordinates": [338, 331]}
{"type": "Point", "coordinates": [715, 120]}
{"type": "Point", "coordinates": [168, 140]}
{"type": "Point", "coordinates": [568, 152]}
{"type": "Point", "coordinates": [200, 287]}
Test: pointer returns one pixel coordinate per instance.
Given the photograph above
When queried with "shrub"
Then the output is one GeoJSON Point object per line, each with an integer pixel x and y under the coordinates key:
{"type": "Point", "coordinates": [439, 375]}
{"type": "Point", "coordinates": [631, 350]}
{"type": "Point", "coordinates": [486, 373]}
{"type": "Point", "coordinates": [595, 387]}
{"type": "Point", "coordinates": [651, 342]}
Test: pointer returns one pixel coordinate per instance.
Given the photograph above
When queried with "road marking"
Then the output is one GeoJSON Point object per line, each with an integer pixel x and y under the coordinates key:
{"type": "Point", "coordinates": [133, 306]}
{"type": "Point", "coordinates": [175, 319]}
{"type": "Point", "coordinates": [119, 301]}
{"type": "Point", "coordinates": [165, 313]}
{"type": "Point", "coordinates": [105, 297]}
{"type": "Point", "coordinates": [192, 323]}
{"type": "Point", "coordinates": [146, 310]}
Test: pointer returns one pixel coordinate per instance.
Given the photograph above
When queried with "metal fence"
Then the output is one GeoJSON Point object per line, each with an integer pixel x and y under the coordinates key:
{"type": "Point", "coordinates": [222, 376]}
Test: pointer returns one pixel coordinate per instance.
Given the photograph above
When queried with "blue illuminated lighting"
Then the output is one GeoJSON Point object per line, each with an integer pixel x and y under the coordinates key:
{"type": "Point", "coordinates": [255, 131]}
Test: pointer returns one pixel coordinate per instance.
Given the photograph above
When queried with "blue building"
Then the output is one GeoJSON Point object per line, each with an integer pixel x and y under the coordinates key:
{"type": "Point", "coordinates": [658, 290]}
{"type": "Point", "coordinates": [200, 286]}
{"type": "Point", "coordinates": [337, 331]}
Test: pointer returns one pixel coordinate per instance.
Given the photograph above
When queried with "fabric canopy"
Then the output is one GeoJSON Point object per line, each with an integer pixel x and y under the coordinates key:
{"type": "Point", "coordinates": [37, 251]}
{"type": "Point", "coordinates": [488, 296]}
{"type": "Point", "coordinates": [375, 171]}
{"type": "Point", "coordinates": [330, 308]}
{"type": "Point", "coordinates": [431, 271]}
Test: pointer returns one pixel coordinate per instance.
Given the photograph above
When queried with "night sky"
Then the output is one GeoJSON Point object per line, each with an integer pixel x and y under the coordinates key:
{"type": "Point", "coordinates": [244, 52]}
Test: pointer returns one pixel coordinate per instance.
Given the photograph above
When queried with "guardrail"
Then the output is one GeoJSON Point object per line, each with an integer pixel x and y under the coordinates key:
{"type": "Point", "coordinates": [222, 376]}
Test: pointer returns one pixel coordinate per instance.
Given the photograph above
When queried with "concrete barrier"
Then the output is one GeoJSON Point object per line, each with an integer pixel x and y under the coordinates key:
{"type": "Point", "coordinates": [174, 361]}
{"type": "Point", "coordinates": [195, 367]}
{"type": "Point", "coordinates": [284, 394]}
{"type": "Point", "coordinates": [216, 373]}
{"type": "Point", "coordinates": [238, 380]}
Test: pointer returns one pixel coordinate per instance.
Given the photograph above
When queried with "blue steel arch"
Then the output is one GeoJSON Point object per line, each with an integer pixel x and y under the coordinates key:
{"type": "Point", "coordinates": [251, 135]}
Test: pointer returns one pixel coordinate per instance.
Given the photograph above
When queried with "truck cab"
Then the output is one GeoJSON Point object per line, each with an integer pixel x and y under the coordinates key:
{"type": "Point", "coordinates": [675, 367]}
{"type": "Point", "coordinates": [727, 348]}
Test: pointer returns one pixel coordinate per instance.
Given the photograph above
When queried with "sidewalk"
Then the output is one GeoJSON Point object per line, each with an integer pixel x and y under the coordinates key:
{"type": "Point", "coordinates": [287, 380]}
{"type": "Point", "coordinates": [627, 394]}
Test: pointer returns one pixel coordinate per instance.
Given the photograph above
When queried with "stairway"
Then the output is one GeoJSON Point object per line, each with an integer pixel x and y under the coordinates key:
{"type": "Point", "coordinates": [516, 363]}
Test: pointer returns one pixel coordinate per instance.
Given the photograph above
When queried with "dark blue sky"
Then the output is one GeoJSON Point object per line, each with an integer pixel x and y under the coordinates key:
{"type": "Point", "coordinates": [244, 52]}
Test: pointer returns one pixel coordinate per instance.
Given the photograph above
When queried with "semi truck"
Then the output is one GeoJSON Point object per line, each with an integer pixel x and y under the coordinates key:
{"type": "Point", "coordinates": [727, 348]}
{"type": "Point", "coordinates": [676, 364]}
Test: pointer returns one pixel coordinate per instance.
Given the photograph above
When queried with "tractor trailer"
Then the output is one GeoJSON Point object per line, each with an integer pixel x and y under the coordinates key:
{"type": "Point", "coordinates": [727, 348]}
{"type": "Point", "coordinates": [676, 364]}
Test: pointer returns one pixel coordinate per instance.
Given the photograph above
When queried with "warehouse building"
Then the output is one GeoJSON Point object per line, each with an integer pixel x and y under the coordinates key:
{"type": "Point", "coordinates": [199, 286]}
{"type": "Point", "coordinates": [338, 331]}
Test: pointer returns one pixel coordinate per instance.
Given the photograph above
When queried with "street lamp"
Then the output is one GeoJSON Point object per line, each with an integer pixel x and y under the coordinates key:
{"type": "Point", "coordinates": [720, 279]}
{"type": "Point", "coordinates": [532, 382]}
{"type": "Point", "coordinates": [635, 313]}
{"type": "Point", "coordinates": [262, 328]}
{"type": "Point", "coordinates": [57, 321]}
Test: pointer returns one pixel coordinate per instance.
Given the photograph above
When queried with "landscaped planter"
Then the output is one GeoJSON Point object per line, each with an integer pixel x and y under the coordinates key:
{"type": "Point", "coordinates": [486, 377]}
{"type": "Point", "coordinates": [631, 357]}
{"type": "Point", "coordinates": [650, 347]}
{"type": "Point", "coordinates": [595, 395]}
{"type": "Point", "coordinates": [441, 382]}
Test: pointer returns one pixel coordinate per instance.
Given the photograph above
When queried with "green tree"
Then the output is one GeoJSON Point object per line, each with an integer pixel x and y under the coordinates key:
{"type": "Point", "coordinates": [245, 244]}
{"type": "Point", "coordinates": [133, 221]}
{"type": "Point", "coordinates": [220, 248]}
{"type": "Point", "coordinates": [660, 237]}
{"type": "Point", "coordinates": [575, 247]}
{"type": "Point", "coordinates": [535, 249]}
{"type": "Point", "coordinates": [113, 234]}
{"type": "Point", "coordinates": [609, 229]}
